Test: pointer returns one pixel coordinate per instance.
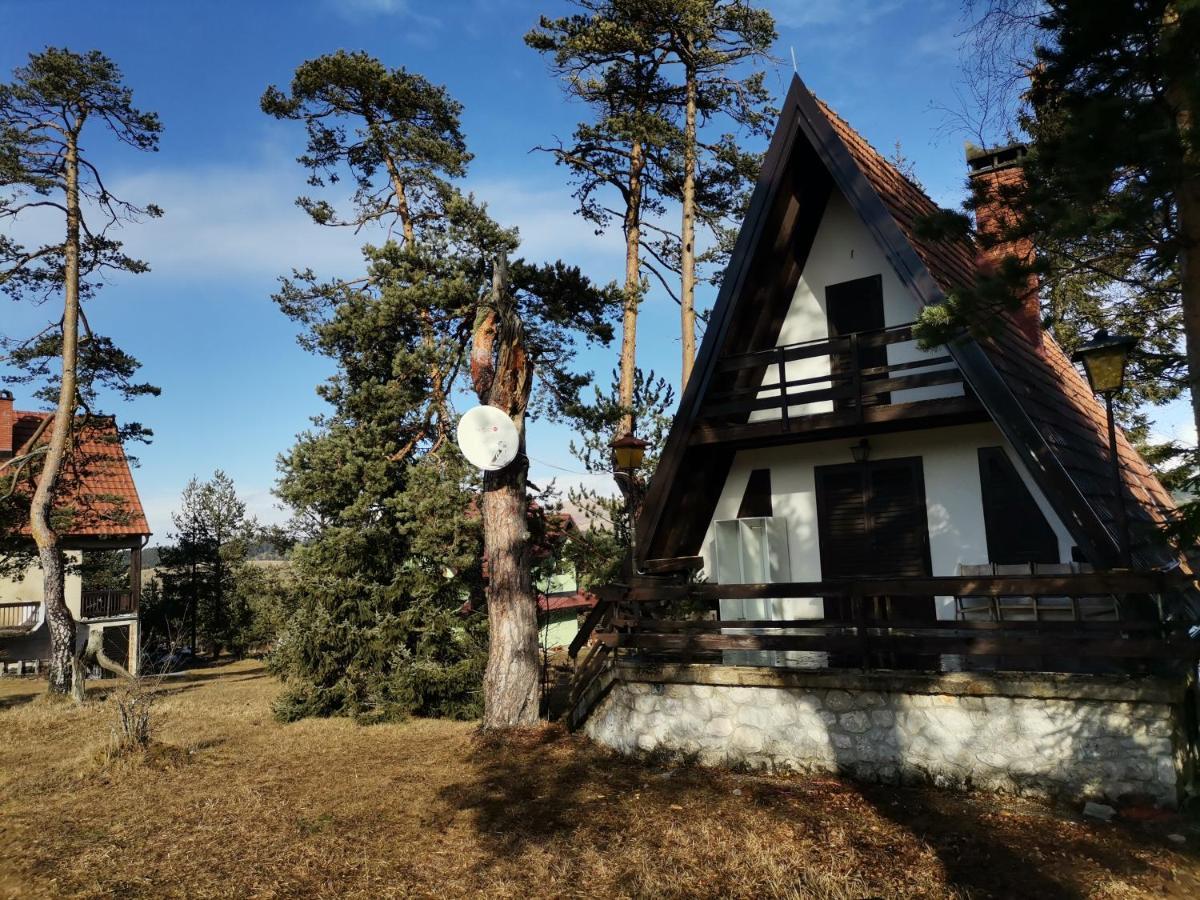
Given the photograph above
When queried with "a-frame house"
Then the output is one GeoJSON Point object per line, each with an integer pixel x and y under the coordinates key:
{"type": "Point", "coordinates": [861, 556]}
{"type": "Point", "coordinates": [827, 276]}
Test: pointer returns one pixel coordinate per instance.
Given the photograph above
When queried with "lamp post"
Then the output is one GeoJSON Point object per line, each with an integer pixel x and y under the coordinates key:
{"type": "Point", "coordinates": [1104, 358]}
{"type": "Point", "coordinates": [627, 455]}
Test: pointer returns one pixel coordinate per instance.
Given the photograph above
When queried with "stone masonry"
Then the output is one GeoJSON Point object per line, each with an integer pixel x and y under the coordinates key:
{"type": "Point", "coordinates": [1068, 736]}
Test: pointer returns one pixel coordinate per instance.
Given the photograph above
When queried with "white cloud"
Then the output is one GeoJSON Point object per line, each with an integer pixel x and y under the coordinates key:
{"type": "Point", "coordinates": [236, 221]}
{"type": "Point", "coordinates": [231, 221]}
{"type": "Point", "coordinates": [943, 42]}
{"type": "Point", "coordinates": [359, 10]}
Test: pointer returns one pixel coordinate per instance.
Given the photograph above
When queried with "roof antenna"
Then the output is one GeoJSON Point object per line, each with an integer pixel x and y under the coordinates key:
{"type": "Point", "coordinates": [795, 68]}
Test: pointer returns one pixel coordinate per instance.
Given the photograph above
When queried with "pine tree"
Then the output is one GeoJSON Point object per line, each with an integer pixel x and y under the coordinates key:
{"type": "Point", "coordinates": [1112, 193]}
{"type": "Point", "coordinates": [391, 529]}
{"type": "Point", "coordinates": [609, 64]}
{"type": "Point", "coordinates": [709, 40]}
{"type": "Point", "coordinates": [45, 112]}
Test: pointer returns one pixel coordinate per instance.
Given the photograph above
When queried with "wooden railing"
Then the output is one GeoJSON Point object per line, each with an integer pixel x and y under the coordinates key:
{"type": "Point", "coordinates": [846, 383]}
{"type": "Point", "coordinates": [106, 604]}
{"type": "Point", "coordinates": [19, 616]}
{"type": "Point", "coordinates": [875, 625]}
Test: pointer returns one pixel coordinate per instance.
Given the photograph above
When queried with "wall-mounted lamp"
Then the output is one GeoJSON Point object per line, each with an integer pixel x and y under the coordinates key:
{"type": "Point", "coordinates": [861, 451]}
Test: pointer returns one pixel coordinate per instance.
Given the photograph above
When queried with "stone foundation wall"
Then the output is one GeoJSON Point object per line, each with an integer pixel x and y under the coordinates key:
{"type": "Point", "coordinates": [1069, 736]}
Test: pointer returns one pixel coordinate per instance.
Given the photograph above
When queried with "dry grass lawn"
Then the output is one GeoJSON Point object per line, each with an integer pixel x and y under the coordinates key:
{"type": "Point", "coordinates": [246, 807]}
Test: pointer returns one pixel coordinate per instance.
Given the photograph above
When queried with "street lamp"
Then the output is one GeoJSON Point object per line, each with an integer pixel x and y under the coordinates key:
{"type": "Point", "coordinates": [628, 452]}
{"type": "Point", "coordinates": [627, 455]}
{"type": "Point", "coordinates": [1104, 358]}
{"type": "Point", "coordinates": [861, 451]}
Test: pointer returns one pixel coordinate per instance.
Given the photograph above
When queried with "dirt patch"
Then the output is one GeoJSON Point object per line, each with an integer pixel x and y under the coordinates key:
{"type": "Point", "coordinates": [428, 808]}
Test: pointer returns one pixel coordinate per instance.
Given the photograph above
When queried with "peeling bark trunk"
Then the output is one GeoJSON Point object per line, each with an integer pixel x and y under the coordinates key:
{"type": "Point", "coordinates": [633, 285]}
{"type": "Point", "coordinates": [687, 287]}
{"type": "Point", "coordinates": [512, 682]}
{"type": "Point", "coordinates": [60, 622]}
{"type": "Point", "coordinates": [502, 375]}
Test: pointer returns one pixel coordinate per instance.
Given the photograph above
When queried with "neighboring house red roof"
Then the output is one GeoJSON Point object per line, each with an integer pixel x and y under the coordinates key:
{"type": "Point", "coordinates": [96, 489]}
{"type": "Point", "coordinates": [566, 600]}
{"type": "Point", "coordinates": [1046, 384]}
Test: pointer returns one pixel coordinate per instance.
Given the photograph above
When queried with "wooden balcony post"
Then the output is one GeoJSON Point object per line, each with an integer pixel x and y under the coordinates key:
{"type": "Point", "coordinates": [135, 577]}
{"type": "Point", "coordinates": [782, 362]}
{"type": "Point", "coordinates": [856, 375]}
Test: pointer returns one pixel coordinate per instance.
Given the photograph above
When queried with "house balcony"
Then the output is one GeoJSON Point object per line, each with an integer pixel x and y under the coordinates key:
{"type": "Point", "coordinates": [866, 381]}
{"type": "Point", "coordinates": [108, 604]}
{"type": "Point", "coordinates": [1103, 622]}
{"type": "Point", "coordinates": [20, 617]}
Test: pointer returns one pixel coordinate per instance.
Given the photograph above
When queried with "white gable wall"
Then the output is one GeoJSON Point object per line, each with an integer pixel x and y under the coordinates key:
{"type": "Point", "coordinates": [843, 250]}
{"type": "Point", "coordinates": [953, 497]}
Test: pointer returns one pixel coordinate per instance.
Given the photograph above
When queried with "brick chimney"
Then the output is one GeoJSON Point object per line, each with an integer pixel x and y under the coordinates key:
{"type": "Point", "coordinates": [996, 175]}
{"type": "Point", "coordinates": [6, 424]}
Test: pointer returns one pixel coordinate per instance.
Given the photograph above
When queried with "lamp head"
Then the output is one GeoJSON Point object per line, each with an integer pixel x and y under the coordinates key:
{"type": "Point", "coordinates": [1104, 358]}
{"type": "Point", "coordinates": [628, 453]}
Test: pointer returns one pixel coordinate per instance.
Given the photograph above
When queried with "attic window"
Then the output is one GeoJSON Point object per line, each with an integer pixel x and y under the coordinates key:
{"type": "Point", "coordinates": [756, 501]}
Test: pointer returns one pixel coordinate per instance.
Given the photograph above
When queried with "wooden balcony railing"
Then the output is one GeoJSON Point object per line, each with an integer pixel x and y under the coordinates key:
{"type": "Point", "coordinates": [106, 604]}
{"type": "Point", "coordinates": [876, 626]}
{"type": "Point", "coordinates": [845, 380]}
{"type": "Point", "coordinates": [19, 616]}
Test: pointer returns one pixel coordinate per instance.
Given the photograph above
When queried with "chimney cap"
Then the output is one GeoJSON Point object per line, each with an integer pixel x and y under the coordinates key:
{"type": "Point", "coordinates": [5, 394]}
{"type": "Point", "coordinates": [981, 161]}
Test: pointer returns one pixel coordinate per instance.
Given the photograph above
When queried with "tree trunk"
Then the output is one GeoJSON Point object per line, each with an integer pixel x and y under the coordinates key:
{"type": "Point", "coordinates": [633, 285]}
{"type": "Point", "coordinates": [512, 681]}
{"type": "Point", "coordinates": [1187, 205]}
{"type": "Point", "coordinates": [503, 377]}
{"type": "Point", "coordinates": [60, 622]}
{"type": "Point", "coordinates": [687, 288]}
{"type": "Point", "coordinates": [1189, 279]}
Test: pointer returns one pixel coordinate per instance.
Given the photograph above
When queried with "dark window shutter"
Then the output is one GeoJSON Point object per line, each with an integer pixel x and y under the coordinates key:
{"type": "Point", "coordinates": [842, 523]}
{"type": "Point", "coordinates": [871, 520]}
{"type": "Point", "coordinates": [899, 533]}
{"type": "Point", "coordinates": [756, 502]}
{"type": "Point", "coordinates": [1017, 532]}
{"type": "Point", "coordinates": [854, 306]}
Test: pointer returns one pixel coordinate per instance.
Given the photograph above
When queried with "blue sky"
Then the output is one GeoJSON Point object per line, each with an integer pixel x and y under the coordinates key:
{"type": "Point", "coordinates": [236, 387]}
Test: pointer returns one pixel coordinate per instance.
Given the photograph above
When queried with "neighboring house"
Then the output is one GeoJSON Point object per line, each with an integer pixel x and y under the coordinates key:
{"type": "Point", "coordinates": [560, 600]}
{"type": "Point", "coordinates": [873, 524]}
{"type": "Point", "coordinates": [97, 509]}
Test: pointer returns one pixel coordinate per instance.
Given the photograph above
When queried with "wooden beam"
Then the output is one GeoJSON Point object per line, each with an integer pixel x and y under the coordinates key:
{"type": "Point", "coordinates": [672, 564]}
{"type": "Point", "coordinates": [827, 426]}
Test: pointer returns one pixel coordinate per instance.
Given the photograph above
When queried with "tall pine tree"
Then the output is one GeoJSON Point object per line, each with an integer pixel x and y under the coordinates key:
{"type": "Point", "coordinates": [53, 102]}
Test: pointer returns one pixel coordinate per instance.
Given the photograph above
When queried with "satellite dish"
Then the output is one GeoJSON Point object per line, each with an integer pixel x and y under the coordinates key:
{"type": "Point", "coordinates": [488, 438]}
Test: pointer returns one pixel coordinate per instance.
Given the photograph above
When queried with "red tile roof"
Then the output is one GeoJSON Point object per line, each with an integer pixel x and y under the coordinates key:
{"type": "Point", "coordinates": [1044, 381]}
{"type": "Point", "coordinates": [96, 493]}
{"type": "Point", "coordinates": [565, 601]}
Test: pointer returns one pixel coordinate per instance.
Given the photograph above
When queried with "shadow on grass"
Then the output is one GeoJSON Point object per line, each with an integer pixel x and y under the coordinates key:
{"type": "Point", "coordinates": [989, 846]}
{"type": "Point", "coordinates": [527, 790]}
{"type": "Point", "coordinates": [13, 700]}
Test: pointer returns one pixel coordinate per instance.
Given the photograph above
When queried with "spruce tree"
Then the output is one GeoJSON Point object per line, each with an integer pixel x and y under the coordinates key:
{"type": "Point", "coordinates": [53, 102]}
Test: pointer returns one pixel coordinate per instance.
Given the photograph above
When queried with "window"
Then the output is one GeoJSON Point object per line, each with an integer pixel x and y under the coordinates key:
{"type": "Point", "coordinates": [1017, 532]}
{"type": "Point", "coordinates": [756, 501]}
{"type": "Point", "coordinates": [852, 307]}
